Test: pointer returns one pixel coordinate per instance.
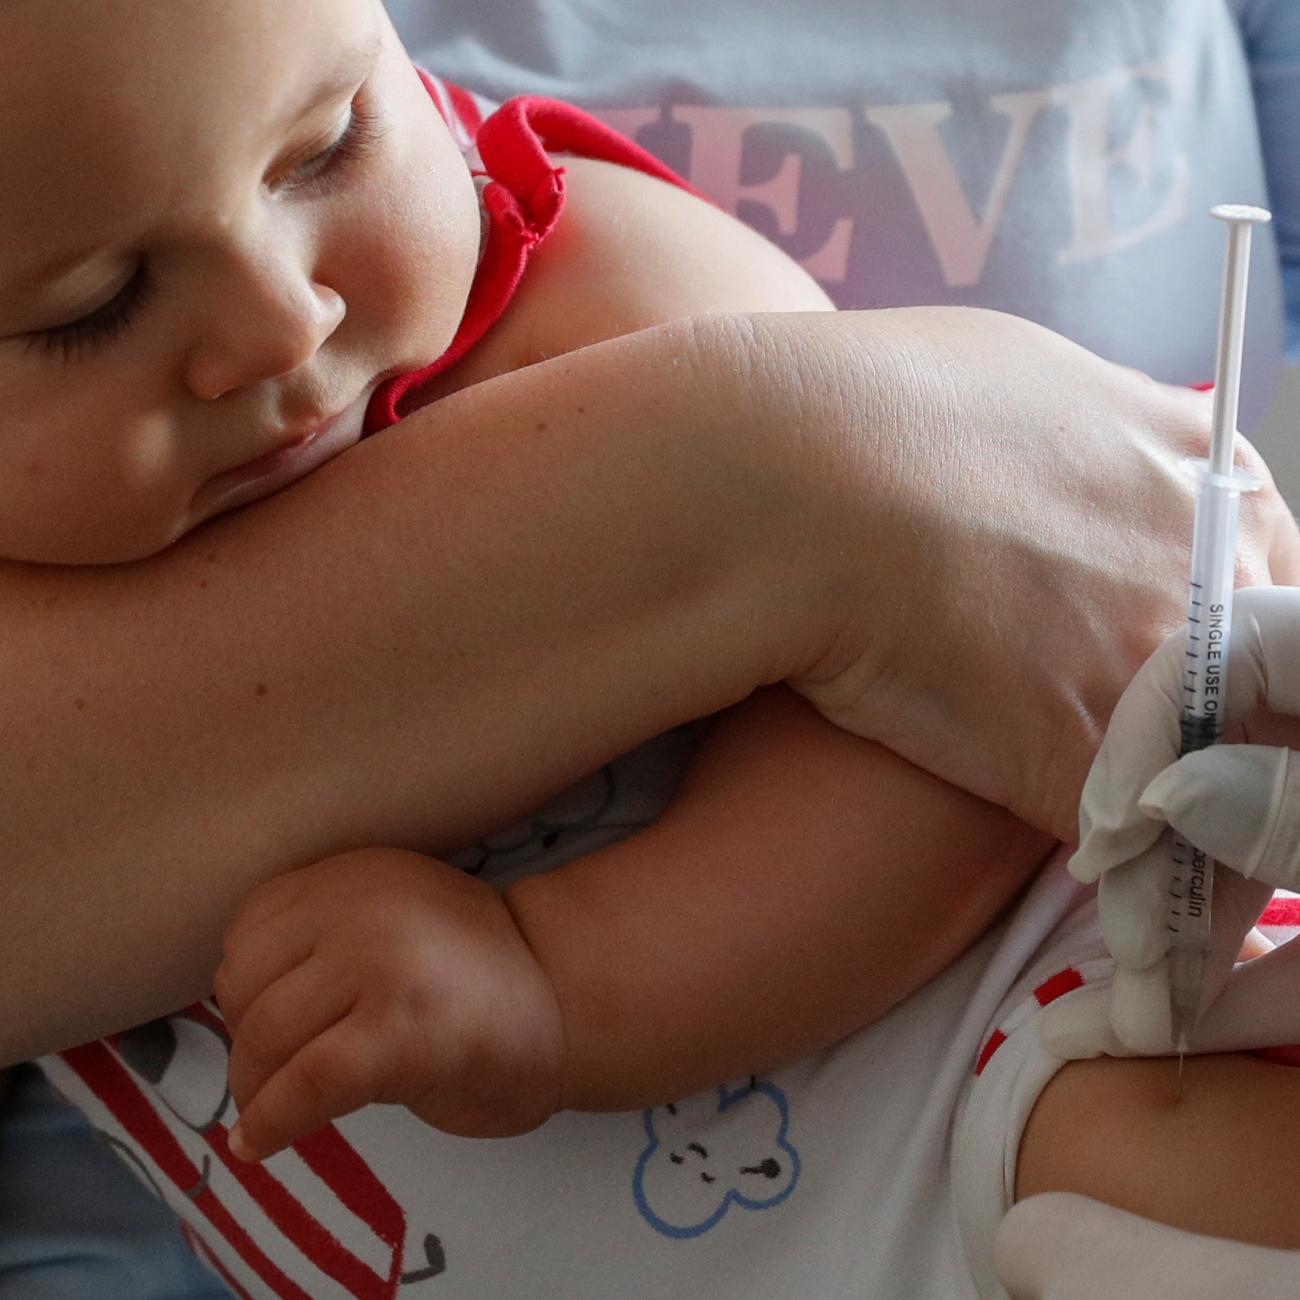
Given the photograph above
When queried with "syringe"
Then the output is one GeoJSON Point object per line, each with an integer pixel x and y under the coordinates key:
{"type": "Point", "coordinates": [1209, 624]}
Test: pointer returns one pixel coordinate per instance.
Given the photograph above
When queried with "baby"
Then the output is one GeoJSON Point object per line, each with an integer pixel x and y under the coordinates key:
{"type": "Point", "coordinates": [269, 246]}
{"type": "Point", "coordinates": [222, 292]}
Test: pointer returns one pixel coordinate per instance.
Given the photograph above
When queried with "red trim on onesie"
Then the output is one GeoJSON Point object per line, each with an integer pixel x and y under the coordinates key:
{"type": "Point", "coordinates": [463, 104]}
{"type": "Point", "coordinates": [523, 198]}
{"type": "Point", "coordinates": [1048, 990]}
{"type": "Point", "coordinates": [1281, 912]}
{"type": "Point", "coordinates": [996, 1039]}
{"type": "Point", "coordinates": [1065, 981]}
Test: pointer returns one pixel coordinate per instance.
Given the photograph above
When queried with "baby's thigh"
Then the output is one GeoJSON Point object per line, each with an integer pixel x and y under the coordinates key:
{"type": "Point", "coordinates": [1224, 1159]}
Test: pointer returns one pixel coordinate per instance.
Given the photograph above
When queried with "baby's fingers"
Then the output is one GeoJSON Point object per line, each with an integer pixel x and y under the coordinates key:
{"type": "Point", "coordinates": [254, 960]}
{"type": "Point", "coordinates": [281, 1021]}
{"type": "Point", "coordinates": [335, 1074]}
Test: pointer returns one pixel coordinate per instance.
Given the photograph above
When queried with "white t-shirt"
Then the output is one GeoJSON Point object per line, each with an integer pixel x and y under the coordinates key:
{"type": "Point", "coordinates": [1056, 161]}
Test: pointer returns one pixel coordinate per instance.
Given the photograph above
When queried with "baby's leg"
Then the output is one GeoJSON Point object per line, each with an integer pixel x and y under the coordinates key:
{"type": "Point", "coordinates": [1224, 1160]}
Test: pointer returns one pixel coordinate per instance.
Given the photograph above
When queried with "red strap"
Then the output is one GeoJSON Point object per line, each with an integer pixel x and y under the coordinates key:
{"type": "Point", "coordinates": [523, 200]}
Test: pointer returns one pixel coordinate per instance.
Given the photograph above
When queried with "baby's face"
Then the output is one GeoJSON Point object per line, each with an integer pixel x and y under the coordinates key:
{"type": "Point", "coordinates": [222, 224]}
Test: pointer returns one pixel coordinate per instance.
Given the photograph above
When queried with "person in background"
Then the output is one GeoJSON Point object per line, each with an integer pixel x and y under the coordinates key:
{"type": "Point", "coordinates": [1060, 169]}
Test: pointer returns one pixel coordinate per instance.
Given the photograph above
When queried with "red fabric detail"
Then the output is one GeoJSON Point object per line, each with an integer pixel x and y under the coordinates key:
{"type": "Point", "coordinates": [326, 1152]}
{"type": "Point", "coordinates": [337, 1164]}
{"type": "Point", "coordinates": [465, 106]}
{"type": "Point", "coordinates": [1280, 1055]}
{"type": "Point", "coordinates": [1281, 912]}
{"type": "Point", "coordinates": [523, 200]}
{"type": "Point", "coordinates": [515, 141]}
{"type": "Point", "coordinates": [1206, 387]}
{"type": "Point", "coordinates": [1065, 981]}
{"type": "Point", "coordinates": [996, 1039]}
{"type": "Point", "coordinates": [292, 1219]}
{"type": "Point", "coordinates": [109, 1080]}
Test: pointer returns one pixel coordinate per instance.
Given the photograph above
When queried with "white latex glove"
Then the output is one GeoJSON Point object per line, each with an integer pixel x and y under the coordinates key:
{"type": "Point", "coordinates": [1059, 1246]}
{"type": "Point", "coordinates": [1240, 803]}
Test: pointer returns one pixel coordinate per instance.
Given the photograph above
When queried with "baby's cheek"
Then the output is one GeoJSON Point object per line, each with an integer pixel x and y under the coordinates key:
{"type": "Point", "coordinates": [426, 246]}
{"type": "Point", "coordinates": [92, 481]}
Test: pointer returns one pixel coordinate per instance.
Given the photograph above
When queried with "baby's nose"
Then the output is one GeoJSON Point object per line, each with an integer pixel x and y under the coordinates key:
{"type": "Point", "coordinates": [275, 325]}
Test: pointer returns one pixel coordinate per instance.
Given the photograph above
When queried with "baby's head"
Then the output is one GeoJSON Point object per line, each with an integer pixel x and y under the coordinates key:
{"type": "Point", "coordinates": [222, 224]}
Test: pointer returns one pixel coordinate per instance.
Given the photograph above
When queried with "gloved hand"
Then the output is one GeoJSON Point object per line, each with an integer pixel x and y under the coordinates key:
{"type": "Point", "coordinates": [1240, 803]}
{"type": "Point", "coordinates": [1058, 1246]}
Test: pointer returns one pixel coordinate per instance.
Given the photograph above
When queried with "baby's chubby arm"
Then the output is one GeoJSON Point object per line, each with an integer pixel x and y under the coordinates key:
{"type": "Point", "coordinates": [802, 883]}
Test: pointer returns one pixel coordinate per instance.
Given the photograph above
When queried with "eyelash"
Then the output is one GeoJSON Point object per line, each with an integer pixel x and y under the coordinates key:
{"type": "Point", "coordinates": [106, 322]}
{"type": "Point", "coordinates": [355, 142]}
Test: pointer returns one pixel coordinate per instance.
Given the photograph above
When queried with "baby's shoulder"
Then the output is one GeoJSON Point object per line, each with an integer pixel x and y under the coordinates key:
{"type": "Point", "coordinates": [630, 251]}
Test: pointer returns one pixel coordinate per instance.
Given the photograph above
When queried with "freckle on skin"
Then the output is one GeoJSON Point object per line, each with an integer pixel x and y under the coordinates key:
{"type": "Point", "coordinates": [260, 689]}
{"type": "Point", "coordinates": [79, 705]}
{"type": "Point", "coordinates": [211, 557]}
{"type": "Point", "coordinates": [204, 583]}
{"type": "Point", "coordinates": [582, 410]}
{"type": "Point", "coordinates": [541, 426]}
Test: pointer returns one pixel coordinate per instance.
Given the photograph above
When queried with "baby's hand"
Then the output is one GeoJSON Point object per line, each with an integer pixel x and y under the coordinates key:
{"type": "Point", "coordinates": [384, 976]}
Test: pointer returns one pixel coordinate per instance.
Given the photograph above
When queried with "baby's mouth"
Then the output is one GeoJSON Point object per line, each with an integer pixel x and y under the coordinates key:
{"type": "Point", "coordinates": [271, 461]}
{"type": "Point", "coordinates": [288, 463]}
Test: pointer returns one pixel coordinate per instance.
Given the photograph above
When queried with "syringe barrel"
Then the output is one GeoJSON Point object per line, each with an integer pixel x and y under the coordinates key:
{"type": "Point", "coordinates": [1205, 687]}
{"type": "Point", "coordinates": [1209, 611]}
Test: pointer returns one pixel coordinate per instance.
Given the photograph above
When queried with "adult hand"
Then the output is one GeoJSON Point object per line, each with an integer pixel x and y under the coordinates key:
{"type": "Point", "coordinates": [1239, 803]}
{"type": "Point", "coordinates": [1025, 546]}
{"type": "Point", "coordinates": [1059, 1246]}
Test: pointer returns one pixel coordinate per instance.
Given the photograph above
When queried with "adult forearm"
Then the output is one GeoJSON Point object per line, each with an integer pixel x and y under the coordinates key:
{"type": "Point", "coordinates": [958, 534]}
{"type": "Point", "coordinates": [412, 646]}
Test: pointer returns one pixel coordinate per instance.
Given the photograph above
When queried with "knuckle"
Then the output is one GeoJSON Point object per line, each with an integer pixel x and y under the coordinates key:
{"type": "Point", "coordinates": [266, 1024]}
{"type": "Point", "coordinates": [312, 1081]}
{"type": "Point", "coordinates": [332, 1069]}
{"type": "Point", "coordinates": [1246, 457]}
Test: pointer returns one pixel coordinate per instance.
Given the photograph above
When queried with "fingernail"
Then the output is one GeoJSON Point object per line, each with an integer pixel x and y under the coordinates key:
{"type": "Point", "coordinates": [239, 1148]}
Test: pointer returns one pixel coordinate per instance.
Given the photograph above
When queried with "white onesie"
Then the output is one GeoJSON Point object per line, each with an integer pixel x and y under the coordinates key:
{"type": "Point", "coordinates": [831, 1178]}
